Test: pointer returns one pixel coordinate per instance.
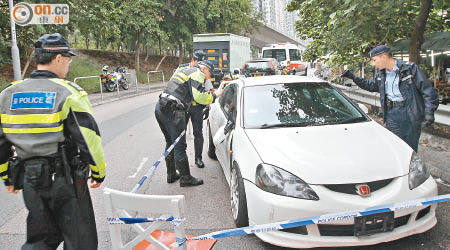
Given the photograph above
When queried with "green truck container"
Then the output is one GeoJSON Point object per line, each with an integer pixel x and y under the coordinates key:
{"type": "Point", "coordinates": [227, 51]}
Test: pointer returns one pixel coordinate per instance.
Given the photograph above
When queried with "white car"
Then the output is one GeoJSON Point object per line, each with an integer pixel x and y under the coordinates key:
{"type": "Point", "coordinates": [293, 147]}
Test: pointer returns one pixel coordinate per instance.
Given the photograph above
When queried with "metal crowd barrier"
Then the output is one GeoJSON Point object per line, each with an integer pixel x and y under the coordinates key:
{"type": "Point", "coordinates": [155, 71]}
{"type": "Point", "coordinates": [441, 115]}
{"type": "Point", "coordinates": [86, 77]}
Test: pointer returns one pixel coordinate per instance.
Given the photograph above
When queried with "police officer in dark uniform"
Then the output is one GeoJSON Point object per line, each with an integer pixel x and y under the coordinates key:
{"type": "Point", "coordinates": [183, 88]}
{"type": "Point", "coordinates": [50, 124]}
{"type": "Point", "coordinates": [406, 95]}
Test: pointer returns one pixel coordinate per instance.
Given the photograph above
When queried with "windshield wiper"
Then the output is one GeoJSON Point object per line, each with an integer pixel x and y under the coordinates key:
{"type": "Point", "coordinates": [350, 120]}
{"type": "Point", "coordinates": [284, 125]}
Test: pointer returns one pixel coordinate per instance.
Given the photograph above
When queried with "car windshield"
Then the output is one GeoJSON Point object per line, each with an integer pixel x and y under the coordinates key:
{"type": "Point", "coordinates": [257, 65]}
{"type": "Point", "coordinates": [296, 105]}
{"type": "Point", "coordinates": [279, 54]}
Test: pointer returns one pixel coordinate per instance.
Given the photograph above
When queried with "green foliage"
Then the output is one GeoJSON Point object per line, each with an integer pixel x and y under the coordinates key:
{"type": "Point", "coordinates": [345, 30]}
{"type": "Point", "coordinates": [82, 66]}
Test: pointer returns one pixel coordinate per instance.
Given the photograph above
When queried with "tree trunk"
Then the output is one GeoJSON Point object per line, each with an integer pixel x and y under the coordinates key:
{"type": "Point", "coordinates": [138, 50]}
{"type": "Point", "coordinates": [30, 57]}
{"type": "Point", "coordinates": [86, 41]}
{"type": "Point", "coordinates": [159, 42]}
{"type": "Point", "coordinates": [146, 53]}
{"type": "Point", "coordinates": [416, 40]}
{"type": "Point", "coordinates": [180, 48]}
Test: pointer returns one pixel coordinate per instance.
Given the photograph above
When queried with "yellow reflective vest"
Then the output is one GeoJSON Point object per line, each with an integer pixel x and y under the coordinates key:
{"type": "Point", "coordinates": [39, 113]}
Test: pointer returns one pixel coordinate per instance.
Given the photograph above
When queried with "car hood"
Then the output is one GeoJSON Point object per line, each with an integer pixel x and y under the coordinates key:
{"type": "Point", "coordinates": [334, 154]}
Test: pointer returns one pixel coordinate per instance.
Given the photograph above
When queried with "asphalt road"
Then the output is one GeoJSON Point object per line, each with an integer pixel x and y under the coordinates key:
{"type": "Point", "coordinates": [133, 141]}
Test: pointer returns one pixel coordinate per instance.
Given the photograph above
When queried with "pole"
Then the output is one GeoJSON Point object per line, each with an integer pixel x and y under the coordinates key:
{"type": "Point", "coordinates": [14, 48]}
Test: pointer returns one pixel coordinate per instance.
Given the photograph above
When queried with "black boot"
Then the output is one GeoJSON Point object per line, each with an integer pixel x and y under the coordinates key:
{"type": "Point", "coordinates": [199, 162]}
{"type": "Point", "coordinates": [172, 174]}
{"type": "Point", "coordinates": [187, 179]}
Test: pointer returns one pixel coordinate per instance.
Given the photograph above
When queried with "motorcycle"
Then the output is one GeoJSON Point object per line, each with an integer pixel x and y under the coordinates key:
{"type": "Point", "coordinates": [111, 80]}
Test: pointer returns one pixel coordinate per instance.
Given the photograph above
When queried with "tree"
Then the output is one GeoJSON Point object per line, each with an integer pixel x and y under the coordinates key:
{"type": "Point", "coordinates": [139, 18]}
{"type": "Point", "coordinates": [231, 16]}
{"type": "Point", "coordinates": [345, 30]}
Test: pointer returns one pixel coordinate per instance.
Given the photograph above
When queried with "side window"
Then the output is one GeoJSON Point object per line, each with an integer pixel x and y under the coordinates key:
{"type": "Point", "coordinates": [228, 101]}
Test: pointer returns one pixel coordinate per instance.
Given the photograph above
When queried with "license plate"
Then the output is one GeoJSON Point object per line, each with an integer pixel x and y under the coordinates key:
{"type": "Point", "coordinates": [256, 74]}
{"type": "Point", "coordinates": [374, 223]}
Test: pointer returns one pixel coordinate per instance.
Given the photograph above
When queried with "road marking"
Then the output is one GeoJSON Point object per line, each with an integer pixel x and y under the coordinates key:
{"type": "Point", "coordinates": [144, 160]}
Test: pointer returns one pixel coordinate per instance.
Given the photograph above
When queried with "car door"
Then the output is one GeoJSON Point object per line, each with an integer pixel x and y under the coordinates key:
{"type": "Point", "coordinates": [228, 111]}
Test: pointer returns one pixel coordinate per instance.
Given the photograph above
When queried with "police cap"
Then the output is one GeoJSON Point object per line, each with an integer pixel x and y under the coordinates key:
{"type": "Point", "coordinates": [379, 50]}
{"type": "Point", "coordinates": [199, 55]}
{"type": "Point", "coordinates": [207, 64]}
{"type": "Point", "coordinates": [53, 43]}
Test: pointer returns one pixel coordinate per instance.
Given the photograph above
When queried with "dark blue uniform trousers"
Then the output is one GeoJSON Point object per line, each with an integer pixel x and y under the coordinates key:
{"type": "Point", "coordinates": [398, 122]}
{"type": "Point", "coordinates": [171, 131]}
{"type": "Point", "coordinates": [195, 113]}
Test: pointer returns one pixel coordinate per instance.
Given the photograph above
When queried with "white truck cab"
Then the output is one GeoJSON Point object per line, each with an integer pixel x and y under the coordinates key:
{"type": "Point", "coordinates": [289, 56]}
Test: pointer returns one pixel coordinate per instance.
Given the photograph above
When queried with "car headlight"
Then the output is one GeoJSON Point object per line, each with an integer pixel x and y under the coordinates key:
{"type": "Point", "coordinates": [418, 172]}
{"type": "Point", "coordinates": [278, 181]}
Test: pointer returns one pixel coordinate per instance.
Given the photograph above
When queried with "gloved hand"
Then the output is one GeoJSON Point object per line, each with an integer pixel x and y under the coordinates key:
{"type": "Point", "coordinates": [348, 74]}
{"type": "Point", "coordinates": [206, 113]}
{"type": "Point", "coordinates": [429, 119]}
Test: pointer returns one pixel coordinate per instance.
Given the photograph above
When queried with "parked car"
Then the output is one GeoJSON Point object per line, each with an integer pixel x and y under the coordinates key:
{"type": "Point", "coordinates": [293, 147]}
{"type": "Point", "coordinates": [261, 67]}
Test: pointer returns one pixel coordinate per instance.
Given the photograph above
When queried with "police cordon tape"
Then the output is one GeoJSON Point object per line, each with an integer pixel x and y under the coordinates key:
{"type": "Point", "coordinates": [316, 219]}
{"type": "Point", "coordinates": [150, 172]}
{"type": "Point", "coordinates": [174, 221]}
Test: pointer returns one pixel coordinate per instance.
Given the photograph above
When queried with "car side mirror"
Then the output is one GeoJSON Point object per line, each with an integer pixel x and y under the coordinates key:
{"type": "Point", "coordinates": [229, 126]}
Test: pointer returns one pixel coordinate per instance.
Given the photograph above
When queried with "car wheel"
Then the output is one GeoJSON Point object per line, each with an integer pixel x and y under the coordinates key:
{"type": "Point", "coordinates": [211, 147]}
{"type": "Point", "coordinates": [238, 199]}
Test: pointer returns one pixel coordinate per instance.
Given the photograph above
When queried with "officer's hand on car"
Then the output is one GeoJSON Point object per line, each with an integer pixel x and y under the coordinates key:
{"type": "Point", "coordinates": [218, 93]}
{"type": "Point", "coordinates": [429, 119]}
{"type": "Point", "coordinates": [95, 184]}
{"type": "Point", "coordinates": [10, 189]}
{"type": "Point", "coordinates": [348, 74]}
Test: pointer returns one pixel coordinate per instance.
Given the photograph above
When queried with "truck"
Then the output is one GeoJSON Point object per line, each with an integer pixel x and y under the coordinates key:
{"type": "Point", "coordinates": [288, 55]}
{"type": "Point", "coordinates": [226, 51]}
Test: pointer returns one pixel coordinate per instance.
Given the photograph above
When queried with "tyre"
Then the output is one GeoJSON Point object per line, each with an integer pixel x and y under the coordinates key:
{"type": "Point", "coordinates": [110, 86]}
{"type": "Point", "coordinates": [211, 147]}
{"type": "Point", "coordinates": [124, 84]}
{"type": "Point", "coordinates": [238, 198]}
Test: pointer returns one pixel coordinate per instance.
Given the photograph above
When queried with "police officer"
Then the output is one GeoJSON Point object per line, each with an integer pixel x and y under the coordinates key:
{"type": "Point", "coordinates": [406, 95]}
{"type": "Point", "coordinates": [49, 122]}
{"type": "Point", "coordinates": [170, 111]}
{"type": "Point", "coordinates": [197, 113]}
{"type": "Point", "coordinates": [198, 56]}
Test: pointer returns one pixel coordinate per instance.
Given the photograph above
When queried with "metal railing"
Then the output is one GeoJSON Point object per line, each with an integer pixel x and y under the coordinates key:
{"type": "Point", "coordinates": [86, 77]}
{"type": "Point", "coordinates": [441, 115]}
{"type": "Point", "coordinates": [154, 71]}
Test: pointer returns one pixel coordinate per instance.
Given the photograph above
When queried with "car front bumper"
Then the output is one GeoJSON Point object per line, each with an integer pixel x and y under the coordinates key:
{"type": "Point", "coordinates": [264, 207]}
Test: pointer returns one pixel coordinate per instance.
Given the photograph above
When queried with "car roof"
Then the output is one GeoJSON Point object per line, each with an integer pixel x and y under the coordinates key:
{"type": "Point", "coordinates": [266, 80]}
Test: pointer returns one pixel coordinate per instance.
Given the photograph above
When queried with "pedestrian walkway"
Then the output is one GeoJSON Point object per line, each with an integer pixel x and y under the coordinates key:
{"type": "Point", "coordinates": [97, 98]}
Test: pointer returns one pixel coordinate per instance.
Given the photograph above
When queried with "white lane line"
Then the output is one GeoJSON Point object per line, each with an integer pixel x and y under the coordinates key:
{"type": "Point", "coordinates": [144, 160]}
